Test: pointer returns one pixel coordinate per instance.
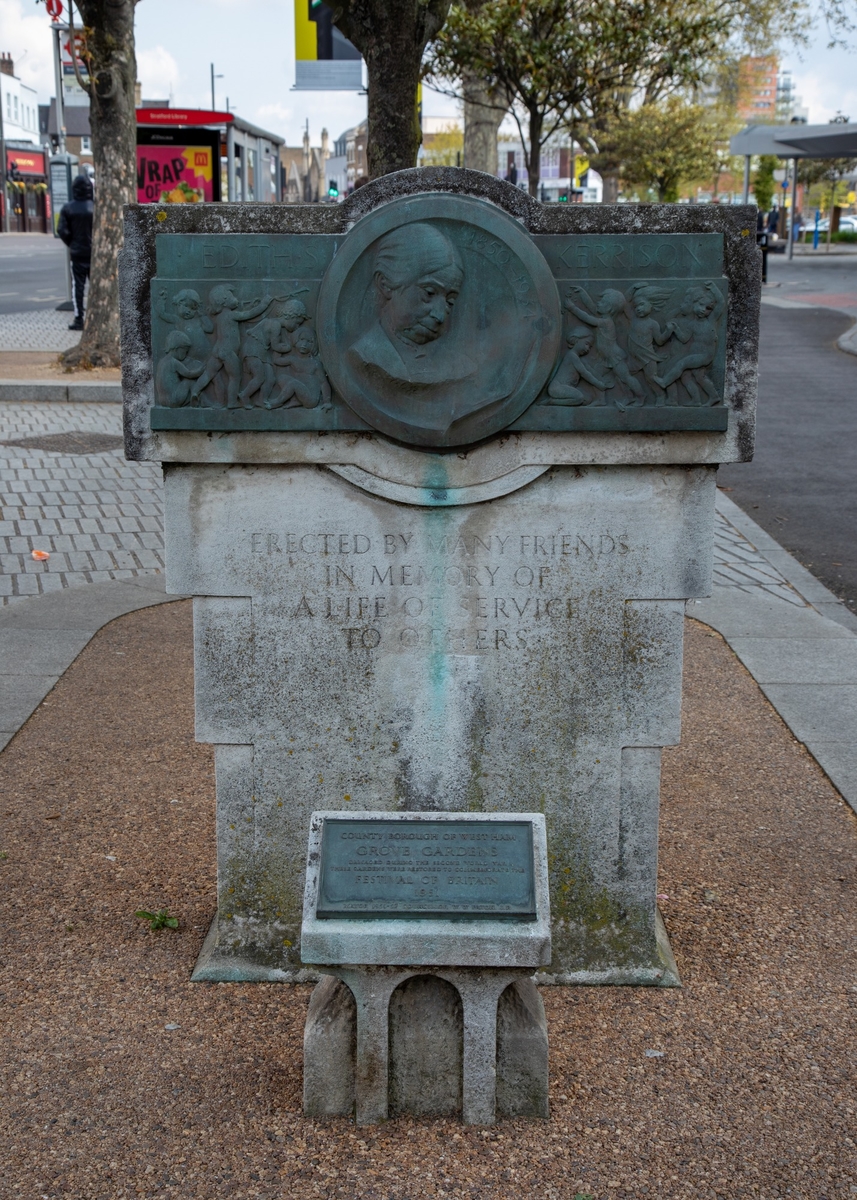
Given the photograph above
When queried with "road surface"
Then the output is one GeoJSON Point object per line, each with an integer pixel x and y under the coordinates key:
{"type": "Point", "coordinates": [32, 272]}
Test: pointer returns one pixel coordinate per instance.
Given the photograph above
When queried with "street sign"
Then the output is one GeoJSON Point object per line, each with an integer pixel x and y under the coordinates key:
{"type": "Point", "coordinates": [54, 8]}
{"type": "Point", "coordinates": [73, 93]}
{"type": "Point", "coordinates": [183, 116]}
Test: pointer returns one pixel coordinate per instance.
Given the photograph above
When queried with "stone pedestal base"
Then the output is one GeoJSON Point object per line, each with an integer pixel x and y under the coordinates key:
{"type": "Point", "coordinates": [426, 1041]}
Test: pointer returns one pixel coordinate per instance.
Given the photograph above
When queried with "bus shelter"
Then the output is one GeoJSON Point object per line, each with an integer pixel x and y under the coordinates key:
{"type": "Point", "coordinates": [193, 155]}
{"type": "Point", "coordinates": [793, 142]}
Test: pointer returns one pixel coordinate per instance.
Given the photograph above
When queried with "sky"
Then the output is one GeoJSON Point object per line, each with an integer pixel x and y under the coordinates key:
{"type": "Point", "coordinates": [251, 43]}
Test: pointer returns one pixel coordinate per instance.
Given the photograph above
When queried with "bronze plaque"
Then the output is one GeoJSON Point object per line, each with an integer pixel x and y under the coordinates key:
{"type": "Point", "coordinates": [439, 321]}
{"type": "Point", "coordinates": [422, 868]}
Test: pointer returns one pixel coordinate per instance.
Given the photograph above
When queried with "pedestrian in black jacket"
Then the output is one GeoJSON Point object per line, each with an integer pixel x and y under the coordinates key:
{"type": "Point", "coordinates": [75, 229]}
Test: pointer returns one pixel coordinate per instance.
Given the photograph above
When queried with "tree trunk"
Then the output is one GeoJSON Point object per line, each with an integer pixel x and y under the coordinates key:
{"type": "Point", "coordinates": [534, 165]}
{"type": "Point", "coordinates": [391, 38]}
{"type": "Point", "coordinates": [482, 119]}
{"type": "Point", "coordinates": [113, 71]}
{"type": "Point", "coordinates": [394, 134]}
{"type": "Point", "coordinates": [610, 179]}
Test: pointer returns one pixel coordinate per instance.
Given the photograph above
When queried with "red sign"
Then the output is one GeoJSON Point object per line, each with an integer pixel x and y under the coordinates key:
{"type": "Point", "coordinates": [182, 116]}
{"type": "Point", "coordinates": [175, 174]}
{"type": "Point", "coordinates": [54, 8]}
{"type": "Point", "coordinates": [25, 162]}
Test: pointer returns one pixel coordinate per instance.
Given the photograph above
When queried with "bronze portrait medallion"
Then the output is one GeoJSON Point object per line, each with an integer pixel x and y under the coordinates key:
{"type": "Point", "coordinates": [438, 320]}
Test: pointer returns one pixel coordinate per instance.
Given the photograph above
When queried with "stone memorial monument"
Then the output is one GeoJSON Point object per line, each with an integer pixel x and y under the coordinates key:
{"type": "Point", "coordinates": [440, 467]}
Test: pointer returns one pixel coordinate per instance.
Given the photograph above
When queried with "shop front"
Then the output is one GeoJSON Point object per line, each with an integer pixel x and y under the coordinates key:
{"type": "Point", "coordinates": [26, 190]}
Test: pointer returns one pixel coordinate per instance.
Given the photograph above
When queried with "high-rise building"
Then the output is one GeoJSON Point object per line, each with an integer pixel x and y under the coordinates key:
{"type": "Point", "coordinates": [790, 107]}
{"type": "Point", "coordinates": [757, 89]}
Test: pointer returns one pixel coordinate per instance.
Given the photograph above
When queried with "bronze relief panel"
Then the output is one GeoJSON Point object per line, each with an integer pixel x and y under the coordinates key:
{"type": "Point", "coordinates": [439, 321]}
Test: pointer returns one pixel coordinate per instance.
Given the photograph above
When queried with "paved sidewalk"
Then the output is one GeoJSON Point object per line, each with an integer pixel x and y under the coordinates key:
{"type": "Point", "coordinates": [797, 640]}
{"type": "Point", "coordinates": [66, 488]}
{"type": "Point", "coordinates": [43, 329]}
{"type": "Point", "coordinates": [41, 637]}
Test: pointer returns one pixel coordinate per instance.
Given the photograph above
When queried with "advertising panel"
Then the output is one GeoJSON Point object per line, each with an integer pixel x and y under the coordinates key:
{"type": "Point", "coordinates": [325, 61]}
{"type": "Point", "coordinates": [183, 116]}
{"type": "Point", "coordinates": [177, 166]}
{"type": "Point", "coordinates": [60, 181]}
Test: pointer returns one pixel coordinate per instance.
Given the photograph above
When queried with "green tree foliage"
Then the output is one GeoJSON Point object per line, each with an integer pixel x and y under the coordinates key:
{"type": "Point", "coordinates": [443, 149]}
{"type": "Point", "coordinates": [581, 64]}
{"type": "Point", "coordinates": [764, 184]}
{"type": "Point", "coordinates": [824, 170]}
{"type": "Point", "coordinates": [824, 176]}
{"type": "Point", "coordinates": [526, 53]}
{"type": "Point", "coordinates": [563, 63]}
{"type": "Point", "coordinates": [663, 145]}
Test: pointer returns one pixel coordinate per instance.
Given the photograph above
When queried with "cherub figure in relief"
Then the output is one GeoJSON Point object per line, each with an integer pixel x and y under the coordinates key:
{"type": "Point", "coordinates": [696, 329]}
{"type": "Point", "coordinates": [261, 341]}
{"type": "Point", "coordinates": [176, 371]}
{"type": "Point", "coordinates": [602, 317]}
{"type": "Point", "coordinates": [564, 388]}
{"type": "Point", "coordinates": [304, 383]}
{"type": "Point", "coordinates": [188, 318]}
{"type": "Point", "coordinates": [645, 335]}
{"type": "Point", "coordinates": [223, 357]}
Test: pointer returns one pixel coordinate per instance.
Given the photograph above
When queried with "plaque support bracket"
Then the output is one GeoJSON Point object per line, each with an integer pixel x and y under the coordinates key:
{"type": "Point", "coordinates": [480, 991]}
{"type": "Point", "coordinates": [480, 958]}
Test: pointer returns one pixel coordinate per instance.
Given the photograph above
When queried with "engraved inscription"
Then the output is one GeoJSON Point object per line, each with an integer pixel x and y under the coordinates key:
{"type": "Point", "coordinates": [426, 868]}
{"type": "Point", "coordinates": [646, 256]}
{"type": "Point", "coordinates": [457, 594]}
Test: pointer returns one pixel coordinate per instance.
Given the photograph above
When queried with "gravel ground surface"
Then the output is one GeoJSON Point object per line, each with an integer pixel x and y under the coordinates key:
{"type": "Point", "coordinates": [121, 1079]}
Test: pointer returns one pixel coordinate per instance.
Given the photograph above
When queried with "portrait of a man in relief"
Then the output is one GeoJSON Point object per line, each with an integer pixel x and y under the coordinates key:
{"type": "Point", "coordinates": [417, 276]}
{"type": "Point", "coordinates": [428, 327]}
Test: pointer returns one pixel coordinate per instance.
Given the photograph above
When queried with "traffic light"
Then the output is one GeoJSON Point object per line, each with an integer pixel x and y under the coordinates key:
{"type": "Point", "coordinates": [333, 190]}
{"type": "Point", "coordinates": [563, 197]}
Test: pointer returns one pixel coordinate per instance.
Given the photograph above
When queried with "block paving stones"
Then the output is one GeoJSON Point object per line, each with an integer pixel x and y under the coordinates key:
{"type": "Point", "coordinates": [44, 329]}
{"type": "Point", "coordinates": [98, 516]}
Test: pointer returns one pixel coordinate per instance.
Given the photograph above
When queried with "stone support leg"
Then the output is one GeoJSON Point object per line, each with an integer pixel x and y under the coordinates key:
{"type": "Point", "coordinates": [372, 988]}
{"type": "Point", "coordinates": [479, 991]}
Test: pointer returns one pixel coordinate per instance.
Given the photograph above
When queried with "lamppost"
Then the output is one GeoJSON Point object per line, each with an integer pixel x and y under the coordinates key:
{"type": "Point", "coordinates": [213, 77]}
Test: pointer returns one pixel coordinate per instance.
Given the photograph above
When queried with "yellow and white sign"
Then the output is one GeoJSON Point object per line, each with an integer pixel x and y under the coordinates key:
{"type": "Point", "coordinates": [325, 61]}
